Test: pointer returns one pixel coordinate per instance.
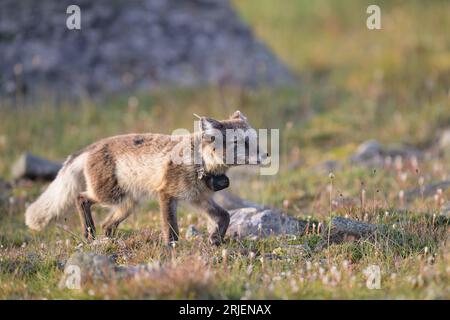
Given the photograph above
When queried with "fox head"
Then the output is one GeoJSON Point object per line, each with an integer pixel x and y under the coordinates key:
{"type": "Point", "coordinates": [230, 142]}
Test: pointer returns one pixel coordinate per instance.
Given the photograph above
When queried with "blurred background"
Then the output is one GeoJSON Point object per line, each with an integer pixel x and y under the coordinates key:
{"type": "Point", "coordinates": [309, 68]}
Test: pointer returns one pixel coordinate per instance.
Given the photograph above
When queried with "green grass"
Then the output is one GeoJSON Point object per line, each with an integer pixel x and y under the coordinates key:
{"type": "Point", "coordinates": [355, 84]}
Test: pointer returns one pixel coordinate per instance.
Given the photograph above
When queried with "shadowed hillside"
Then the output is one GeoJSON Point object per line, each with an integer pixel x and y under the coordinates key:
{"type": "Point", "coordinates": [123, 45]}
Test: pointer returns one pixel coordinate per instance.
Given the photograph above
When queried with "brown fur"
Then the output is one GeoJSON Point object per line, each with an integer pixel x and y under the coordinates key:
{"type": "Point", "coordinates": [101, 168]}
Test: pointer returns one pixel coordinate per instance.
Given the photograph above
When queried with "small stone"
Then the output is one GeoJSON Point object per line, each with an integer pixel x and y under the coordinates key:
{"type": "Point", "coordinates": [82, 267]}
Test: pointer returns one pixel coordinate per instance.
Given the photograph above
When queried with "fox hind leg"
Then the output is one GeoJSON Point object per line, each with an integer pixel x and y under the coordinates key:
{"type": "Point", "coordinates": [84, 204]}
{"type": "Point", "coordinates": [112, 222]}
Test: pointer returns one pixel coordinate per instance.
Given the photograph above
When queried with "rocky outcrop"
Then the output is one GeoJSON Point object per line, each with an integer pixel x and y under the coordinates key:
{"type": "Point", "coordinates": [251, 223]}
{"type": "Point", "coordinates": [344, 229]}
{"type": "Point", "coordinates": [129, 45]}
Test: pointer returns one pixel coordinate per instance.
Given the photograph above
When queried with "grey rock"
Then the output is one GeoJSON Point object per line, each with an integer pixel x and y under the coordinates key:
{"type": "Point", "coordinates": [252, 223]}
{"type": "Point", "coordinates": [82, 267]}
{"type": "Point", "coordinates": [129, 45]}
{"type": "Point", "coordinates": [351, 227]}
{"type": "Point", "coordinates": [31, 167]}
{"type": "Point", "coordinates": [402, 150]}
{"type": "Point", "coordinates": [344, 229]}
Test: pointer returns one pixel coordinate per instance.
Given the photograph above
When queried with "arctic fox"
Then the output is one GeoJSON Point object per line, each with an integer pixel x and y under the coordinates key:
{"type": "Point", "coordinates": [117, 172]}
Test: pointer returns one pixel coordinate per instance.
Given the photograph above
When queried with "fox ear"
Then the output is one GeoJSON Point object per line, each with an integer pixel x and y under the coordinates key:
{"type": "Point", "coordinates": [238, 115]}
{"type": "Point", "coordinates": [208, 127]}
{"type": "Point", "coordinates": [206, 124]}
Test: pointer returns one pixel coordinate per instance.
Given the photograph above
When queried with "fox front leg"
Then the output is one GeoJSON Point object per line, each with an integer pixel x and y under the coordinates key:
{"type": "Point", "coordinates": [168, 207]}
{"type": "Point", "coordinates": [220, 219]}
